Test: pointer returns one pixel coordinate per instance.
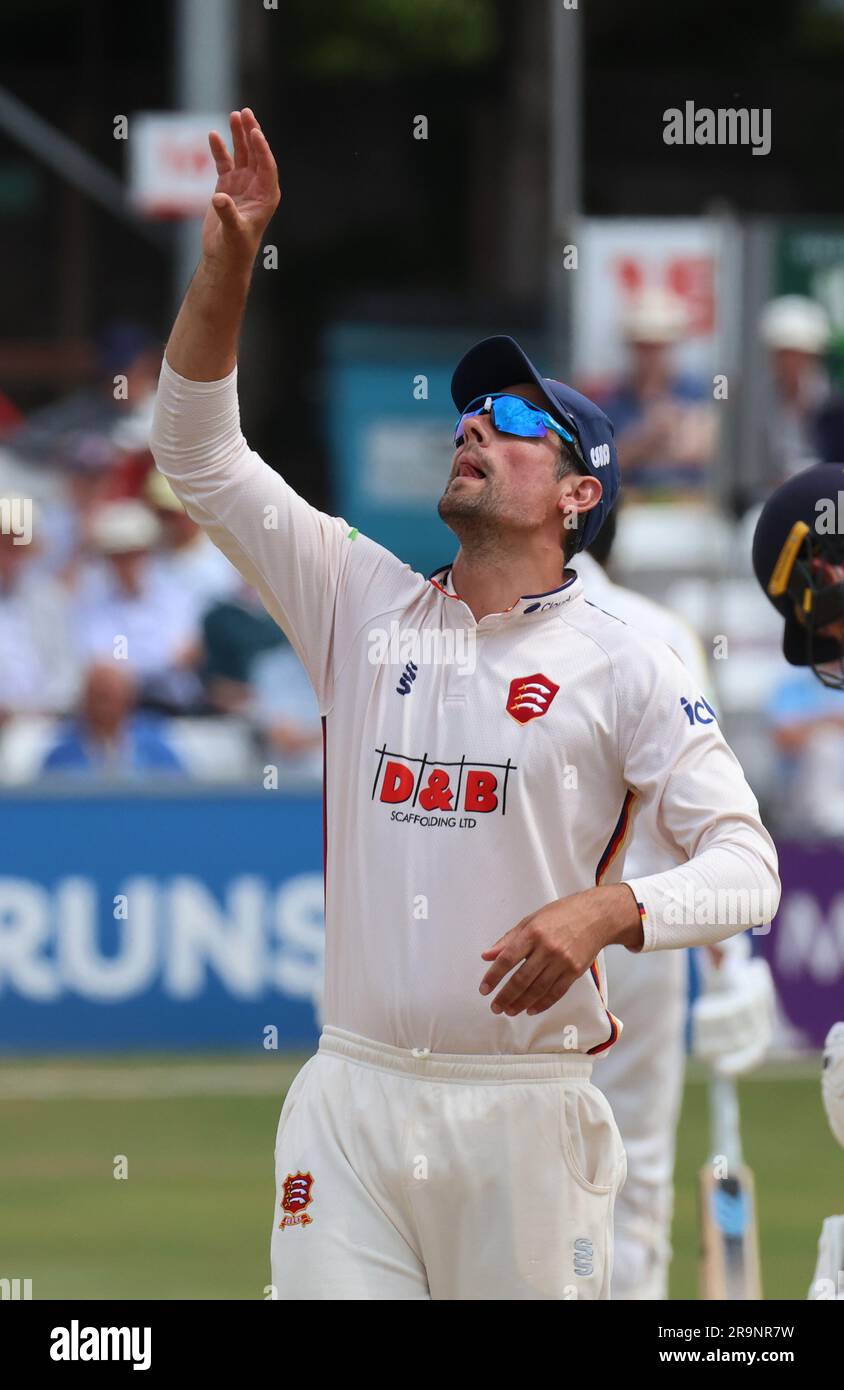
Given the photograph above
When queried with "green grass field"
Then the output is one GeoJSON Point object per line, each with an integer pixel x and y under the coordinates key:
{"type": "Point", "coordinates": [192, 1219]}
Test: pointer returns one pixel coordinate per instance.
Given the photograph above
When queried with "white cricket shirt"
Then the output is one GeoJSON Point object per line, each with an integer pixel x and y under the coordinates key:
{"type": "Point", "coordinates": [462, 794]}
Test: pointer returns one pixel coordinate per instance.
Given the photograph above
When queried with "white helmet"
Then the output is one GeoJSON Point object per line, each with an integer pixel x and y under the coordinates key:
{"type": "Point", "coordinates": [793, 321]}
{"type": "Point", "coordinates": [654, 316]}
{"type": "Point", "coordinates": [123, 526]}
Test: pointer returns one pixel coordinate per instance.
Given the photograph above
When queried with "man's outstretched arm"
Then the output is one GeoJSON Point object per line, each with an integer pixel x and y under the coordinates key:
{"type": "Point", "coordinates": [316, 575]}
{"type": "Point", "coordinates": [288, 550]}
{"type": "Point", "coordinates": [203, 343]}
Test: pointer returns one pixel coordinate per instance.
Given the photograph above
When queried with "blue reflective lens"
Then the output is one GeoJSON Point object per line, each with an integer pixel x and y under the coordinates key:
{"type": "Point", "coordinates": [512, 415]}
{"type": "Point", "coordinates": [515, 416]}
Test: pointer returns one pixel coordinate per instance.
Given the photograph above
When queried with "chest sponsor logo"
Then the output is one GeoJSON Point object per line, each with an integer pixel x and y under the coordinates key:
{"type": "Point", "coordinates": [530, 697]}
{"type": "Point", "coordinates": [437, 790]}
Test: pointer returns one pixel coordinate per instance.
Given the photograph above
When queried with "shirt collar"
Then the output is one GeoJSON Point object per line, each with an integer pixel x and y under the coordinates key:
{"type": "Point", "coordinates": [528, 609]}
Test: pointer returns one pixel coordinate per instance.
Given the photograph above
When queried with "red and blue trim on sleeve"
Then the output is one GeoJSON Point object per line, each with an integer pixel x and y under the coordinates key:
{"type": "Point", "coordinates": [614, 846]}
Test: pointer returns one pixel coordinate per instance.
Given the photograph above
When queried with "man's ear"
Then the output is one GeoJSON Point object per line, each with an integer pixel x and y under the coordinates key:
{"type": "Point", "coordinates": [582, 493]}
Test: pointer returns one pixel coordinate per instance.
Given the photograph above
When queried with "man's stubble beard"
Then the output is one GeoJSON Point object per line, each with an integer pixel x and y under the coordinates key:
{"type": "Point", "coordinates": [474, 518]}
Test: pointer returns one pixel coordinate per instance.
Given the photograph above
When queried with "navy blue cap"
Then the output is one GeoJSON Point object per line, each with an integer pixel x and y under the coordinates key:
{"type": "Point", "coordinates": [778, 545]}
{"type": "Point", "coordinates": [499, 362]}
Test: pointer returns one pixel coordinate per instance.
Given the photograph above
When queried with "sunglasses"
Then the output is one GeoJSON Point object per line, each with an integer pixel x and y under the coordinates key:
{"type": "Point", "coordinates": [512, 415]}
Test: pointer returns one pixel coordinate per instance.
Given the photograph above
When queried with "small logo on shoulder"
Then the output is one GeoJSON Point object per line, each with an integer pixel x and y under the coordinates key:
{"type": "Point", "coordinates": [701, 712]}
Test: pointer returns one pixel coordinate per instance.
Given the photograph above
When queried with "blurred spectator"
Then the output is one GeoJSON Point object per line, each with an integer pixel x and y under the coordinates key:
{"type": "Point", "coordinates": [286, 711]}
{"type": "Point", "coordinates": [806, 719]}
{"type": "Point", "coordinates": [66, 518]}
{"type": "Point", "coordinates": [11, 418]}
{"type": "Point", "coordinates": [108, 736]}
{"type": "Point", "coordinates": [116, 411]}
{"type": "Point", "coordinates": [38, 667]}
{"type": "Point", "coordinates": [124, 605]}
{"type": "Point", "coordinates": [187, 558]}
{"type": "Point", "coordinates": [806, 423]}
{"type": "Point", "coordinates": [236, 631]}
{"type": "Point", "coordinates": [251, 669]}
{"type": "Point", "coordinates": [664, 420]}
{"type": "Point", "coordinates": [130, 351]}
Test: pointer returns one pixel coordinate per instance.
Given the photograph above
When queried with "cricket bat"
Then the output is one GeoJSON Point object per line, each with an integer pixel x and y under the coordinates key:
{"type": "Point", "coordinates": [729, 1266]}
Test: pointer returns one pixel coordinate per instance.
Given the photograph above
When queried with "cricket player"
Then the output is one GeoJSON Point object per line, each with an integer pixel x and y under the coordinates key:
{"type": "Point", "coordinates": [446, 1142]}
{"type": "Point", "coordinates": [642, 1078]}
{"type": "Point", "coordinates": [798, 559]}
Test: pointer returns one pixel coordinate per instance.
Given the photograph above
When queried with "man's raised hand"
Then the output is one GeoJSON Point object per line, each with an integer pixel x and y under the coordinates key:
{"type": "Point", "coordinates": [203, 343]}
{"type": "Point", "coordinates": [246, 196]}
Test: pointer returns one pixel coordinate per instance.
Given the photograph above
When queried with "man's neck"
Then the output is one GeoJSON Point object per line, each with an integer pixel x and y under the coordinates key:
{"type": "Point", "coordinates": [493, 586]}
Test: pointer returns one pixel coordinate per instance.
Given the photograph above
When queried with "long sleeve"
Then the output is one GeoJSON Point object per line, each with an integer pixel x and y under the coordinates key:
{"type": "Point", "coordinates": [693, 801]}
{"type": "Point", "coordinates": [317, 576]}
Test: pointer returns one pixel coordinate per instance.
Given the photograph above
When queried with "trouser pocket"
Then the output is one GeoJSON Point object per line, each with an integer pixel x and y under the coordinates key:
{"type": "Point", "coordinates": [591, 1141]}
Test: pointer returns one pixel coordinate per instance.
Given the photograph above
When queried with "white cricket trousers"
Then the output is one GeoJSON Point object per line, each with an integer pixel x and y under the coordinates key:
{"type": "Point", "coordinates": [408, 1175]}
{"type": "Point", "coordinates": [642, 1079]}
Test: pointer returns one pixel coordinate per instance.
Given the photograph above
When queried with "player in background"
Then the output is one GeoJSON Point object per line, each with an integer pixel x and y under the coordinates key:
{"type": "Point", "coordinates": [446, 1142]}
{"type": "Point", "coordinates": [642, 1077]}
{"type": "Point", "coordinates": [798, 558]}
{"type": "Point", "coordinates": [828, 1279]}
